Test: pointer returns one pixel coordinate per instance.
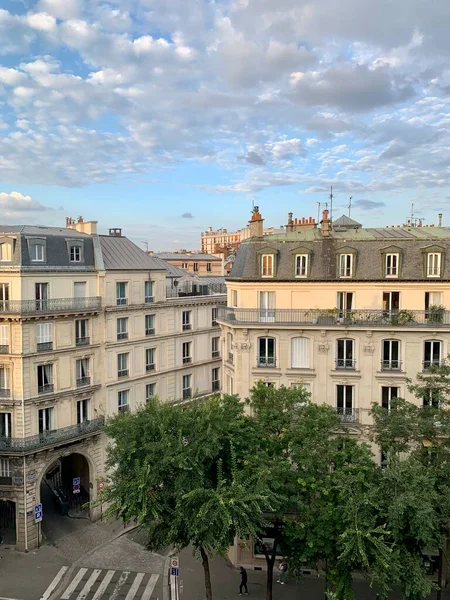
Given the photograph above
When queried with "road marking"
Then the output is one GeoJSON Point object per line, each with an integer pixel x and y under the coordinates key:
{"type": "Point", "coordinates": [134, 588]}
{"type": "Point", "coordinates": [54, 583]}
{"type": "Point", "coordinates": [89, 583]}
{"type": "Point", "coordinates": [119, 584]}
{"type": "Point", "coordinates": [73, 585]}
{"type": "Point", "coordinates": [150, 587]}
{"type": "Point", "coordinates": [104, 584]}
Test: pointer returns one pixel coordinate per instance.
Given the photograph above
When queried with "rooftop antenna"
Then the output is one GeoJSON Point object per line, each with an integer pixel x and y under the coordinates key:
{"type": "Point", "coordinates": [318, 211]}
{"type": "Point", "coordinates": [331, 203]}
{"type": "Point", "coordinates": [349, 206]}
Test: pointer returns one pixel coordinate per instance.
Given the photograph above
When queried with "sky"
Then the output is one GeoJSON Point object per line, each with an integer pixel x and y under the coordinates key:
{"type": "Point", "coordinates": [165, 117]}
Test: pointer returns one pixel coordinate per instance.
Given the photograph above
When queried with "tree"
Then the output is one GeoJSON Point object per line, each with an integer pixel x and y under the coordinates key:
{"type": "Point", "coordinates": [189, 475]}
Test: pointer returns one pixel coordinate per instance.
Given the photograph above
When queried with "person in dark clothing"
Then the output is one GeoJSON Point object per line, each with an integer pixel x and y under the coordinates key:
{"type": "Point", "coordinates": [243, 581]}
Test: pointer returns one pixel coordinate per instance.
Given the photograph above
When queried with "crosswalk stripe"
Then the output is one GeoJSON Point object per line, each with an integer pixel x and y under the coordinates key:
{"type": "Point", "coordinates": [104, 584]}
{"type": "Point", "coordinates": [73, 585]}
{"type": "Point", "coordinates": [150, 587]}
{"type": "Point", "coordinates": [54, 583]}
{"type": "Point", "coordinates": [123, 577]}
{"type": "Point", "coordinates": [134, 588]}
{"type": "Point", "coordinates": [89, 583]}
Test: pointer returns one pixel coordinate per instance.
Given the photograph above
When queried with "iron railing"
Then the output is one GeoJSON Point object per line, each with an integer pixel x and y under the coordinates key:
{"type": "Point", "coordinates": [4, 349]}
{"type": "Point", "coordinates": [211, 289]}
{"type": "Point", "coordinates": [52, 305]}
{"type": "Point", "coordinates": [391, 365]}
{"type": "Point", "coordinates": [348, 415]}
{"type": "Point", "coordinates": [266, 361]}
{"type": "Point", "coordinates": [51, 438]}
{"type": "Point", "coordinates": [346, 363]}
{"type": "Point", "coordinates": [82, 341]}
{"type": "Point", "coordinates": [47, 388]}
{"type": "Point", "coordinates": [216, 386]}
{"type": "Point", "coordinates": [149, 299]}
{"type": "Point", "coordinates": [5, 392]}
{"type": "Point", "coordinates": [82, 381]}
{"type": "Point", "coordinates": [434, 362]}
{"type": "Point", "coordinates": [42, 346]}
{"type": "Point", "coordinates": [150, 331]}
{"type": "Point", "coordinates": [320, 318]}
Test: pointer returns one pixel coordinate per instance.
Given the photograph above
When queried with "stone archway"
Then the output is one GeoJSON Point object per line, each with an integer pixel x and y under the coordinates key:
{"type": "Point", "coordinates": [8, 522]}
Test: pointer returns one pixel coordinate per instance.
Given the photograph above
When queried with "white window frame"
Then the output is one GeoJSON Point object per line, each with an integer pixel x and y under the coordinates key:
{"type": "Point", "coordinates": [345, 266]}
{"type": "Point", "coordinates": [390, 396]}
{"type": "Point", "coordinates": [184, 265]}
{"type": "Point", "coordinates": [149, 292]}
{"type": "Point", "coordinates": [150, 359]}
{"type": "Point", "coordinates": [265, 358]}
{"type": "Point", "coordinates": [83, 411]}
{"type": "Point", "coordinates": [307, 363]}
{"type": "Point", "coordinates": [123, 400]}
{"type": "Point", "coordinates": [83, 371]}
{"type": "Point", "coordinates": [123, 364]}
{"type": "Point", "coordinates": [121, 300]}
{"type": "Point", "coordinates": [345, 362]}
{"type": "Point", "coordinates": [76, 254]}
{"type": "Point", "coordinates": [268, 266]}
{"type": "Point", "coordinates": [122, 331]}
{"type": "Point", "coordinates": [44, 335]}
{"type": "Point", "coordinates": [434, 261]}
{"type": "Point", "coordinates": [387, 363]}
{"type": "Point", "coordinates": [345, 411]}
{"type": "Point", "coordinates": [234, 298]}
{"type": "Point", "coordinates": [48, 419]}
{"type": "Point", "coordinates": [215, 347]}
{"type": "Point", "coordinates": [186, 323]}
{"type": "Point", "coordinates": [5, 468]}
{"type": "Point", "coordinates": [391, 265]}
{"type": "Point", "coordinates": [187, 386]}
{"type": "Point", "coordinates": [301, 266]}
{"type": "Point", "coordinates": [149, 320]}
{"type": "Point", "coordinates": [214, 314]}
{"type": "Point", "coordinates": [36, 256]}
{"type": "Point", "coordinates": [5, 252]}
{"type": "Point", "coordinates": [431, 361]}
{"type": "Point", "coordinates": [148, 387]}
{"type": "Point", "coordinates": [81, 324]}
{"type": "Point", "coordinates": [6, 418]}
{"type": "Point", "coordinates": [186, 350]}
{"type": "Point", "coordinates": [215, 379]}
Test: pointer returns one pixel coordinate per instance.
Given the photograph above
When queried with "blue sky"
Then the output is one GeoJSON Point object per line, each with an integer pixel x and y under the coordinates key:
{"type": "Point", "coordinates": [165, 117]}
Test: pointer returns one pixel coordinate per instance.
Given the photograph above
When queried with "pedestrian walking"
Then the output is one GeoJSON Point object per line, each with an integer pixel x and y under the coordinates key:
{"type": "Point", "coordinates": [282, 570]}
{"type": "Point", "coordinates": [243, 585]}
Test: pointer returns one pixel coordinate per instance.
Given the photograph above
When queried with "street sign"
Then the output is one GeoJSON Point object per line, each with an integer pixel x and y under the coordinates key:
{"type": "Point", "coordinates": [38, 513]}
{"type": "Point", "coordinates": [174, 562]}
{"type": "Point", "coordinates": [175, 572]}
{"type": "Point", "coordinates": [76, 485]}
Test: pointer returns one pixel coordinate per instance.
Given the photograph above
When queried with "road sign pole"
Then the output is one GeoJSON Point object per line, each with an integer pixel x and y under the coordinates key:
{"type": "Point", "coordinates": [39, 534]}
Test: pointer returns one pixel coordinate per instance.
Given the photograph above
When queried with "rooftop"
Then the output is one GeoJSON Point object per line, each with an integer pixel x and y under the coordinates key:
{"type": "Point", "coordinates": [180, 256]}
{"type": "Point", "coordinates": [41, 230]}
{"type": "Point", "coordinates": [120, 254]}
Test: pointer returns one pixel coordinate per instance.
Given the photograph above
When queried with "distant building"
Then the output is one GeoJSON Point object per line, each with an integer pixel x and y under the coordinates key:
{"type": "Point", "coordinates": [198, 264]}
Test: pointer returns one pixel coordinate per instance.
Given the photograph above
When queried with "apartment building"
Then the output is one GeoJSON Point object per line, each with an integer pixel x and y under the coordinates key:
{"type": "Point", "coordinates": [222, 242]}
{"type": "Point", "coordinates": [350, 313]}
{"type": "Point", "coordinates": [86, 331]}
{"type": "Point", "coordinates": [195, 263]}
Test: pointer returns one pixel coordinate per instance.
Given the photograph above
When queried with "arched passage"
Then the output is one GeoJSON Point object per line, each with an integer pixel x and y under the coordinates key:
{"type": "Point", "coordinates": [8, 521]}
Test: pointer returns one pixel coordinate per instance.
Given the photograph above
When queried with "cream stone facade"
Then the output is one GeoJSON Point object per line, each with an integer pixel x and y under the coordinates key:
{"type": "Point", "coordinates": [62, 294]}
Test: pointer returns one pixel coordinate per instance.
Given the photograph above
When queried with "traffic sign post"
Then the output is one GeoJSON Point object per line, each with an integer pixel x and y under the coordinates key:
{"type": "Point", "coordinates": [174, 572]}
{"type": "Point", "coordinates": [76, 485]}
{"type": "Point", "coordinates": [37, 519]}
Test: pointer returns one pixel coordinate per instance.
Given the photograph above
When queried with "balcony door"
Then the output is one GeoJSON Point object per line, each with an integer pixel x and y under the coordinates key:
{"type": "Point", "coordinates": [267, 307]}
{"type": "Point", "coordinates": [41, 295]}
{"type": "Point", "coordinates": [4, 296]}
{"type": "Point", "coordinates": [345, 354]}
{"type": "Point", "coordinates": [345, 401]}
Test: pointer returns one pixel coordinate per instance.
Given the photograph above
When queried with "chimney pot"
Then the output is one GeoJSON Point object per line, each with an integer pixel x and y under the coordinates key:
{"type": "Point", "coordinates": [440, 220]}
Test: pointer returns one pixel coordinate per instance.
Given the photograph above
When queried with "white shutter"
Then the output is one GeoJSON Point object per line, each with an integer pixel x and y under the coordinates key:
{"type": "Point", "coordinates": [300, 353]}
{"type": "Point", "coordinates": [4, 337]}
{"type": "Point", "coordinates": [44, 333]}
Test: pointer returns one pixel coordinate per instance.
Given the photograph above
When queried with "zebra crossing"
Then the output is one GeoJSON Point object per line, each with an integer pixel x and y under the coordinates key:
{"type": "Point", "coordinates": [103, 584]}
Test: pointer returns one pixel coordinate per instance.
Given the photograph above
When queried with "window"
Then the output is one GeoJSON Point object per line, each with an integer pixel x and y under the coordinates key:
{"type": "Point", "coordinates": [432, 354]}
{"type": "Point", "coordinates": [266, 352]}
{"type": "Point", "coordinates": [432, 300]}
{"type": "Point", "coordinates": [41, 295]}
{"type": "Point", "coordinates": [301, 265]}
{"type": "Point", "coordinates": [148, 292]}
{"type": "Point", "coordinates": [83, 375]}
{"type": "Point", "coordinates": [122, 364]}
{"type": "Point", "coordinates": [5, 425]}
{"type": "Point", "coordinates": [195, 266]}
{"type": "Point", "coordinates": [5, 472]}
{"type": "Point", "coordinates": [37, 252]}
{"type": "Point", "coordinates": [4, 296]}
{"type": "Point", "coordinates": [122, 328]}
{"type": "Point", "coordinates": [234, 298]}
{"type": "Point", "coordinates": [267, 263]}
{"type": "Point", "coordinates": [4, 339]}
{"type": "Point", "coordinates": [122, 400]}
{"type": "Point", "coordinates": [432, 397]}
{"type": "Point", "coordinates": [214, 317]}
{"type": "Point", "coordinates": [230, 347]}
{"type": "Point", "coordinates": [267, 307]}
{"type": "Point", "coordinates": [82, 332]}
{"type": "Point", "coordinates": [344, 303]}
{"type": "Point", "coordinates": [345, 265]}
{"type": "Point", "coordinates": [300, 353]}
{"type": "Point", "coordinates": [345, 354]}
{"type": "Point", "coordinates": [390, 359]}
{"type": "Point", "coordinates": [83, 410]}
{"type": "Point", "coordinates": [187, 358]}
{"type": "Point", "coordinates": [150, 390]}
{"type": "Point", "coordinates": [344, 402]}
{"type": "Point", "coordinates": [215, 379]}
{"type": "Point", "coordinates": [215, 347]}
{"type": "Point", "coordinates": [44, 336]}
{"type": "Point", "coordinates": [4, 382]}
{"type": "Point", "coordinates": [208, 267]}
{"type": "Point", "coordinates": [391, 265]}
{"type": "Point", "coordinates": [387, 394]}
{"type": "Point", "coordinates": [184, 265]}
{"type": "Point", "coordinates": [75, 253]}
{"type": "Point", "coordinates": [46, 418]}
{"type": "Point", "coordinates": [391, 301]}
{"type": "Point", "coordinates": [45, 379]}
{"type": "Point", "coordinates": [187, 389]}
{"type": "Point", "coordinates": [5, 252]}
{"type": "Point", "coordinates": [186, 320]}
{"type": "Point", "coordinates": [230, 385]}
{"type": "Point", "coordinates": [434, 264]}
{"type": "Point", "coordinates": [121, 293]}
{"type": "Point", "coordinates": [79, 289]}
{"type": "Point", "coordinates": [150, 354]}
{"type": "Point", "coordinates": [149, 324]}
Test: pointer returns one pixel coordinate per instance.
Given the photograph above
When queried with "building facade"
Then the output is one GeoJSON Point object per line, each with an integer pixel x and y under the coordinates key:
{"type": "Point", "coordinates": [197, 264]}
{"type": "Point", "coordinates": [86, 331]}
{"type": "Point", "coordinates": [222, 242]}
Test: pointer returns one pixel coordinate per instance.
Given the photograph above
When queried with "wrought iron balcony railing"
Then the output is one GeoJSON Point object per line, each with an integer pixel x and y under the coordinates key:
{"type": "Point", "coordinates": [50, 438]}
{"type": "Point", "coordinates": [334, 317]}
{"type": "Point", "coordinates": [5, 392]}
{"type": "Point", "coordinates": [52, 305]}
{"type": "Point", "coordinates": [348, 415]}
{"type": "Point", "coordinates": [266, 361]}
{"type": "Point", "coordinates": [47, 388]}
{"type": "Point", "coordinates": [42, 346]}
{"type": "Point", "coordinates": [346, 363]}
{"type": "Point", "coordinates": [4, 349]}
{"type": "Point", "coordinates": [391, 365]}
{"type": "Point", "coordinates": [82, 381]}
{"type": "Point", "coordinates": [434, 362]}
{"type": "Point", "coordinates": [82, 341]}
{"type": "Point", "coordinates": [216, 386]}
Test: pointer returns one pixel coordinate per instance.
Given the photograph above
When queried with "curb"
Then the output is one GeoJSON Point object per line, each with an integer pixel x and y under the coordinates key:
{"type": "Point", "coordinates": [68, 575]}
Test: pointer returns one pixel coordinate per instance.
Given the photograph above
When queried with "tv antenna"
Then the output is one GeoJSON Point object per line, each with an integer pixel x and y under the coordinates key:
{"type": "Point", "coordinates": [331, 204]}
{"type": "Point", "coordinates": [349, 205]}
{"type": "Point", "coordinates": [318, 211]}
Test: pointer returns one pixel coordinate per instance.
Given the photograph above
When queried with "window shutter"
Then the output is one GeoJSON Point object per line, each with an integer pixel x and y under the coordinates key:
{"type": "Point", "coordinates": [44, 333]}
{"type": "Point", "coordinates": [300, 353]}
{"type": "Point", "coordinates": [4, 341]}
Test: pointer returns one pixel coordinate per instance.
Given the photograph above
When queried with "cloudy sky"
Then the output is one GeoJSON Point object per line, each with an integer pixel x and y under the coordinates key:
{"type": "Point", "coordinates": [167, 116]}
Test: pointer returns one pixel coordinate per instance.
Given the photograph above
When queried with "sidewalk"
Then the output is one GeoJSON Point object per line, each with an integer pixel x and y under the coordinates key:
{"type": "Point", "coordinates": [226, 579]}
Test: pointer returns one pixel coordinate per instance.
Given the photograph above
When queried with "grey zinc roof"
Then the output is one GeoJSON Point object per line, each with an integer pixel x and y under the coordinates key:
{"type": "Point", "coordinates": [345, 221]}
{"type": "Point", "coordinates": [173, 270]}
{"type": "Point", "coordinates": [120, 254]}
{"type": "Point", "coordinates": [176, 256]}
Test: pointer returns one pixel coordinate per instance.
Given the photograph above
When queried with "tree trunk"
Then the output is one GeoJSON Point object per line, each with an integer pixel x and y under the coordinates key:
{"type": "Point", "coordinates": [205, 563]}
{"type": "Point", "coordinates": [270, 560]}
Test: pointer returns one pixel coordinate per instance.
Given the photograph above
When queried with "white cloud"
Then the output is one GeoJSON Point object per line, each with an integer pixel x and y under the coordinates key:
{"type": "Point", "coordinates": [41, 21]}
{"type": "Point", "coordinates": [15, 202]}
{"type": "Point", "coordinates": [61, 9]}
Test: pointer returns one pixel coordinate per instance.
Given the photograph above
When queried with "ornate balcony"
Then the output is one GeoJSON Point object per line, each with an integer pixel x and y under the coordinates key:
{"type": "Point", "coordinates": [334, 317]}
{"type": "Point", "coordinates": [52, 305]}
{"type": "Point", "coordinates": [51, 438]}
{"type": "Point", "coordinates": [348, 415]}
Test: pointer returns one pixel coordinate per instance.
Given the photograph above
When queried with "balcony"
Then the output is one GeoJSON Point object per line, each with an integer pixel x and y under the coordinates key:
{"type": "Point", "coordinates": [53, 305]}
{"type": "Point", "coordinates": [345, 363]}
{"type": "Point", "coordinates": [51, 438]}
{"type": "Point", "coordinates": [187, 326]}
{"type": "Point", "coordinates": [149, 299]}
{"type": "Point", "coordinates": [43, 346]}
{"type": "Point", "coordinates": [121, 301]}
{"type": "Point", "coordinates": [4, 349]}
{"type": "Point", "coordinates": [83, 381]}
{"type": "Point", "coordinates": [433, 363]}
{"type": "Point", "coordinates": [123, 335]}
{"type": "Point", "coordinates": [5, 392]}
{"type": "Point", "coordinates": [47, 388]}
{"type": "Point", "coordinates": [266, 361]}
{"type": "Point", "coordinates": [348, 415]}
{"type": "Point", "coordinates": [150, 331]}
{"type": "Point", "coordinates": [333, 317]}
{"type": "Point", "coordinates": [215, 354]}
{"type": "Point", "coordinates": [391, 365]}
{"type": "Point", "coordinates": [187, 360]}
{"type": "Point", "coordinates": [82, 341]}
{"type": "Point", "coordinates": [150, 367]}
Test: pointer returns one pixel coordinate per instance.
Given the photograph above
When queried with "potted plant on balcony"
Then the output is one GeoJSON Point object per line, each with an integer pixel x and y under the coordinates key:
{"type": "Point", "coordinates": [435, 313]}
{"type": "Point", "coordinates": [402, 317]}
{"type": "Point", "coordinates": [328, 316]}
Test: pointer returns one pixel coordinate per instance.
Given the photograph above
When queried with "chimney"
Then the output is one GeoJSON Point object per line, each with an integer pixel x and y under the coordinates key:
{"type": "Point", "coordinates": [115, 232]}
{"type": "Point", "coordinates": [256, 223]}
{"type": "Point", "coordinates": [440, 220]}
{"type": "Point", "coordinates": [290, 223]}
{"type": "Point", "coordinates": [82, 226]}
{"type": "Point", "coordinates": [325, 224]}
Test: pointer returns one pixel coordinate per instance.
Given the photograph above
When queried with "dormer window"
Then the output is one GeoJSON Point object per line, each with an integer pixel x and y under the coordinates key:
{"type": "Point", "coordinates": [37, 252]}
{"type": "Point", "coordinates": [5, 252]}
{"type": "Point", "coordinates": [75, 254]}
{"type": "Point", "coordinates": [345, 265]}
{"type": "Point", "coordinates": [301, 265]}
{"type": "Point", "coordinates": [392, 265]}
{"type": "Point", "coordinates": [267, 265]}
{"type": "Point", "coordinates": [434, 264]}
